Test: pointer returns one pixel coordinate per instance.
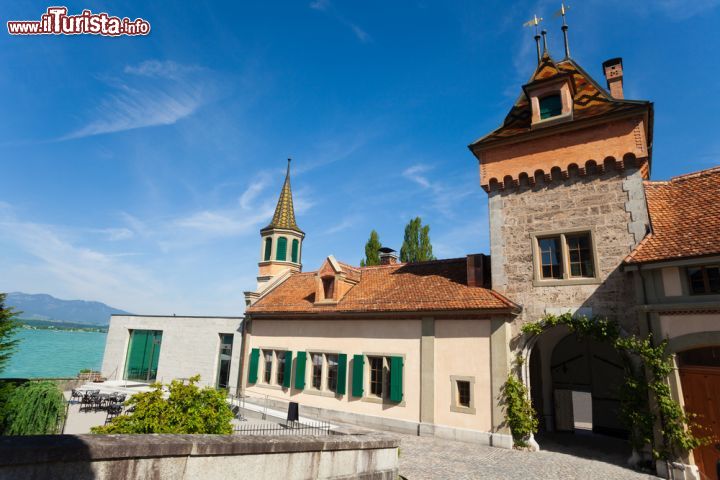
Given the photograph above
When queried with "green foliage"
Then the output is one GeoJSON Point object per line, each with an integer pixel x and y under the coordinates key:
{"type": "Point", "coordinates": [372, 247]}
{"type": "Point", "coordinates": [8, 326]}
{"type": "Point", "coordinates": [188, 409]}
{"type": "Point", "coordinates": [35, 408]}
{"type": "Point", "coordinates": [678, 427]}
{"type": "Point", "coordinates": [519, 412]}
{"type": "Point", "coordinates": [416, 245]}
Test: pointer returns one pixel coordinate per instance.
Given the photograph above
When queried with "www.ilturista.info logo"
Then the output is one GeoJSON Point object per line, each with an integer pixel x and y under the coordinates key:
{"type": "Point", "coordinates": [57, 22]}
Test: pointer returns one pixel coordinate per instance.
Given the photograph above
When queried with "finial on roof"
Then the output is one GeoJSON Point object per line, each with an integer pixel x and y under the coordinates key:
{"type": "Point", "coordinates": [534, 22]}
{"type": "Point", "coordinates": [544, 37]}
{"type": "Point", "coordinates": [562, 12]}
{"type": "Point", "coordinates": [284, 216]}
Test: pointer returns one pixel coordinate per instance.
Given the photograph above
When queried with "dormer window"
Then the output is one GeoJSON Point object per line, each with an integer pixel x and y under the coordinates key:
{"type": "Point", "coordinates": [328, 284]}
{"type": "Point", "coordinates": [550, 106]}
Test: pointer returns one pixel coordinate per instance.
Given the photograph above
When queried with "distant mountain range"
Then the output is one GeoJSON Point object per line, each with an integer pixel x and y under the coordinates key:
{"type": "Point", "coordinates": [46, 307]}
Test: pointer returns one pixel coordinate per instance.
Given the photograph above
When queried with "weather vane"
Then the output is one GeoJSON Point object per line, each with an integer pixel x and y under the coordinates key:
{"type": "Point", "coordinates": [561, 13]}
{"type": "Point", "coordinates": [534, 22]}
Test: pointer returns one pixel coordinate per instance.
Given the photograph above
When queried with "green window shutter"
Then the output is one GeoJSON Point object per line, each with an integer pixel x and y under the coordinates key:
{"type": "Point", "coordinates": [300, 370]}
{"type": "Point", "coordinates": [281, 249]}
{"type": "Point", "coordinates": [396, 379]}
{"type": "Point", "coordinates": [288, 369]}
{"type": "Point", "coordinates": [268, 248]}
{"type": "Point", "coordinates": [342, 374]}
{"type": "Point", "coordinates": [253, 370]}
{"type": "Point", "coordinates": [294, 251]}
{"type": "Point", "coordinates": [357, 371]}
{"type": "Point", "coordinates": [550, 106]}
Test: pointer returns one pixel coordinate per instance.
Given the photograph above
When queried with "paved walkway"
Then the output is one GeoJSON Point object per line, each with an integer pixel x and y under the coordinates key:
{"type": "Point", "coordinates": [433, 458]}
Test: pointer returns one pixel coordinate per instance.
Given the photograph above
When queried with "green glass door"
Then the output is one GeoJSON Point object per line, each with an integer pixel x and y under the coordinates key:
{"type": "Point", "coordinates": [143, 355]}
{"type": "Point", "coordinates": [226, 344]}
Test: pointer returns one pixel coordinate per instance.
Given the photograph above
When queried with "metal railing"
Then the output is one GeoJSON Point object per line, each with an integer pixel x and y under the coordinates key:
{"type": "Point", "coordinates": [289, 428]}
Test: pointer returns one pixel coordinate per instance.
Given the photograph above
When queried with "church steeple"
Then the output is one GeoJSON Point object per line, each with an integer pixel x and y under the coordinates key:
{"type": "Point", "coordinates": [284, 216]}
{"type": "Point", "coordinates": [281, 244]}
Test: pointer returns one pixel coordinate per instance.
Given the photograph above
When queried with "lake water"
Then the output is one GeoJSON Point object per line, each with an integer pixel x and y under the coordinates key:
{"type": "Point", "coordinates": [55, 353]}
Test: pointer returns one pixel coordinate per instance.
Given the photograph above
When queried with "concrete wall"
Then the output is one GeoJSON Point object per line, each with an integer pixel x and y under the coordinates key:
{"type": "Point", "coordinates": [611, 206]}
{"type": "Point", "coordinates": [190, 457]}
{"type": "Point", "coordinates": [190, 346]}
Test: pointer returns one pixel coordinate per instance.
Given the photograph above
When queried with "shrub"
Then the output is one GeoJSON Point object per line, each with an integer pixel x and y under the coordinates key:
{"type": "Point", "coordinates": [35, 408]}
{"type": "Point", "coordinates": [519, 412]}
{"type": "Point", "coordinates": [188, 409]}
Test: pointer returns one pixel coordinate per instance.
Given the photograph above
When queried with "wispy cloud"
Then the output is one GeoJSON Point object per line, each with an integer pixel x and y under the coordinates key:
{"type": "Point", "coordinates": [444, 195]}
{"type": "Point", "coordinates": [150, 94]}
{"type": "Point", "coordinates": [328, 8]}
{"type": "Point", "coordinates": [415, 173]}
{"type": "Point", "coordinates": [344, 224]}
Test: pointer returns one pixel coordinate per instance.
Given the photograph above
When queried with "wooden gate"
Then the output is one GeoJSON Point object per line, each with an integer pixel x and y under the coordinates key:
{"type": "Point", "coordinates": [701, 391]}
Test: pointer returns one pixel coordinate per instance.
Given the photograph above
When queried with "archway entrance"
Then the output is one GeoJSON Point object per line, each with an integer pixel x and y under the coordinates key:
{"type": "Point", "coordinates": [575, 388]}
{"type": "Point", "coordinates": [700, 378]}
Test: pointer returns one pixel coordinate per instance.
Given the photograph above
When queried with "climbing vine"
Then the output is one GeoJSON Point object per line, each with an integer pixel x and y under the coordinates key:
{"type": "Point", "coordinates": [645, 378]}
{"type": "Point", "coordinates": [519, 412]}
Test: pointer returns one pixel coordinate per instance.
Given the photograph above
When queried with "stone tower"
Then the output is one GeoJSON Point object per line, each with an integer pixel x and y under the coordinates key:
{"type": "Point", "coordinates": [564, 178]}
{"type": "Point", "coordinates": [281, 244]}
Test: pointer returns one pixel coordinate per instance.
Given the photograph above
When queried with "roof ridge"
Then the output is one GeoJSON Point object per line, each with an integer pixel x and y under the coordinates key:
{"type": "Point", "coordinates": [699, 173]}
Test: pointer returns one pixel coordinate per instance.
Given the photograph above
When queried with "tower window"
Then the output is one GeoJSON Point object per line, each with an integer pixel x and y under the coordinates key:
{"type": "Point", "coordinates": [281, 249]}
{"type": "Point", "coordinates": [550, 106]}
{"type": "Point", "coordinates": [294, 251]}
{"type": "Point", "coordinates": [268, 249]}
{"type": "Point", "coordinates": [550, 257]}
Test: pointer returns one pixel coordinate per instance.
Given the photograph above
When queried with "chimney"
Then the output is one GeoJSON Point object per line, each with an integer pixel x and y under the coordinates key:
{"type": "Point", "coordinates": [613, 70]}
{"type": "Point", "coordinates": [388, 256]}
{"type": "Point", "coordinates": [478, 271]}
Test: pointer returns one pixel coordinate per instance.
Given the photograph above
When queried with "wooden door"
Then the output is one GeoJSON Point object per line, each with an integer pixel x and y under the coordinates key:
{"type": "Point", "coordinates": [701, 391]}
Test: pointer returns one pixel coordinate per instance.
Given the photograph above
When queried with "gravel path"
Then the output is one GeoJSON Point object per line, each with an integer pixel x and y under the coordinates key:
{"type": "Point", "coordinates": [434, 458]}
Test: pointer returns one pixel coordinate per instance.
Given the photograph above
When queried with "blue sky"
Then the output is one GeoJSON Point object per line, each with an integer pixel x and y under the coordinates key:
{"type": "Point", "coordinates": [137, 171]}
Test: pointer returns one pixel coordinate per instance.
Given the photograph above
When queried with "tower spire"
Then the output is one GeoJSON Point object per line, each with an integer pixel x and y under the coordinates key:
{"type": "Point", "coordinates": [534, 22]}
{"type": "Point", "coordinates": [562, 12]}
{"type": "Point", "coordinates": [284, 216]}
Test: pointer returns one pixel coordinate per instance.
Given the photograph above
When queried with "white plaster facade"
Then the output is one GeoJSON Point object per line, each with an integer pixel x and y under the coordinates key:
{"type": "Point", "coordinates": [190, 346]}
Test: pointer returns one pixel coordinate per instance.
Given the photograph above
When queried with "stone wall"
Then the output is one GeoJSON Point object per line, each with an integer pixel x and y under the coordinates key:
{"type": "Point", "coordinates": [611, 205]}
{"type": "Point", "coordinates": [189, 457]}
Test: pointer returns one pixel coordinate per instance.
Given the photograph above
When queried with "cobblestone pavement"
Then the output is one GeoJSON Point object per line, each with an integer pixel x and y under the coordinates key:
{"type": "Point", "coordinates": [434, 458]}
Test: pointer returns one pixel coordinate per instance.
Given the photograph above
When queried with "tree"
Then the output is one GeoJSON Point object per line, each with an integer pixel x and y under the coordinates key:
{"type": "Point", "coordinates": [416, 246]}
{"type": "Point", "coordinates": [36, 408]}
{"type": "Point", "coordinates": [372, 247]}
{"type": "Point", "coordinates": [188, 409]}
{"type": "Point", "coordinates": [8, 326]}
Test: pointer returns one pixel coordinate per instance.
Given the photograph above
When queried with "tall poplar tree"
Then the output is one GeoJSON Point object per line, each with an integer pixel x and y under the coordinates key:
{"type": "Point", "coordinates": [416, 246]}
{"type": "Point", "coordinates": [372, 247]}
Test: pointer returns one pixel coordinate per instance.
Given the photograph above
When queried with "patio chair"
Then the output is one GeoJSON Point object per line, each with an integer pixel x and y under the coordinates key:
{"type": "Point", "coordinates": [112, 412]}
{"type": "Point", "coordinates": [76, 395]}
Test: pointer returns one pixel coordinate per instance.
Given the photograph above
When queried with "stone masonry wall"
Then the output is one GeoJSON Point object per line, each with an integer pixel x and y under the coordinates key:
{"type": "Point", "coordinates": [612, 204]}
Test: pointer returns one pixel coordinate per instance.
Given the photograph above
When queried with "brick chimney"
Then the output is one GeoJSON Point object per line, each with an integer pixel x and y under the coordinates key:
{"type": "Point", "coordinates": [478, 271]}
{"type": "Point", "coordinates": [613, 70]}
{"type": "Point", "coordinates": [388, 256]}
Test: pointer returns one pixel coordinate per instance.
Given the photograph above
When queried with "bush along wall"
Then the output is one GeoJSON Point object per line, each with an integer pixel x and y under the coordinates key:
{"type": "Point", "coordinates": [647, 367]}
{"type": "Point", "coordinates": [35, 408]}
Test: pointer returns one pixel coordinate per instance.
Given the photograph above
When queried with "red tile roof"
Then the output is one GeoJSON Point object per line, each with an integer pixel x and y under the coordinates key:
{"type": "Point", "coordinates": [685, 218]}
{"type": "Point", "coordinates": [590, 100]}
{"type": "Point", "coordinates": [412, 287]}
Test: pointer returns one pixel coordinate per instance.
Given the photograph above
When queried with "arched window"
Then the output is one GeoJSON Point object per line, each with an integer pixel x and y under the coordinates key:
{"type": "Point", "coordinates": [294, 251]}
{"type": "Point", "coordinates": [550, 106]}
{"type": "Point", "coordinates": [268, 248]}
{"type": "Point", "coordinates": [281, 249]}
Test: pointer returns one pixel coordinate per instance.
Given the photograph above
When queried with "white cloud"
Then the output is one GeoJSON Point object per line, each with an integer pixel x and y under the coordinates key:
{"type": "Point", "coordinates": [328, 8]}
{"type": "Point", "coordinates": [415, 172]}
{"type": "Point", "coordinates": [151, 94]}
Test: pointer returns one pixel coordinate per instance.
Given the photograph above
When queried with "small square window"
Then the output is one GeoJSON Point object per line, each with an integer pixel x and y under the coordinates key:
{"type": "Point", "coordinates": [550, 106]}
{"type": "Point", "coordinates": [463, 393]}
